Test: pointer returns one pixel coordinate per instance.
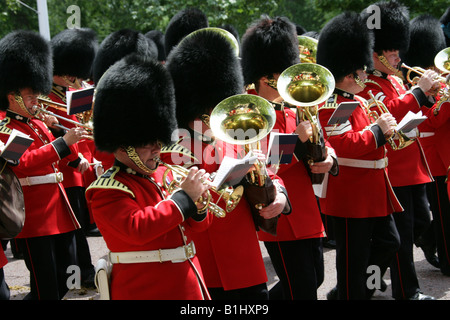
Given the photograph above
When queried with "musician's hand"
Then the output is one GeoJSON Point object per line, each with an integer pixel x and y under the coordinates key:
{"type": "Point", "coordinates": [427, 81]}
{"type": "Point", "coordinates": [2, 145]}
{"type": "Point", "coordinates": [259, 155]}
{"type": "Point", "coordinates": [74, 135]}
{"type": "Point", "coordinates": [83, 166]}
{"type": "Point", "coordinates": [304, 131]}
{"type": "Point", "coordinates": [387, 123]}
{"type": "Point", "coordinates": [50, 121]}
{"type": "Point", "coordinates": [323, 166]}
{"type": "Point", "coordinates": [275, 208]}
{"type": "Point", "coordinates": [195, 184]}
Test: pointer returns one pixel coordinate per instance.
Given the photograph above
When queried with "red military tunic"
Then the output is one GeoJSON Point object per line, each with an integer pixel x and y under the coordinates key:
{"type": "Point", "coordinates": [304, 221]}
{"type": "Point", "coordinates": [229, 250]}
{"type": "Point", "coordinates": [47, 210]}
{"type": "Point", "coordinates": [72, 177]}
{"type": "Point", "coordinates": [135, 215]}
{"type": "Point", "coordinates": [434, 135]}
{"type": "Point", "coordinates": [356, 192]}
{"type": "Point", "coordinates": [407, 166]}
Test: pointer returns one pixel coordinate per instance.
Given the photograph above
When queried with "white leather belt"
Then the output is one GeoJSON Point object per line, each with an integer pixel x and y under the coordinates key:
{"type": "Point", "coordinates": [426, 134]}
{"type": "Point", "coordinates": [367, 164]}
{"type": "Point", "coordinates": [49, 178]}
{"type": "Point", "coordinates": [176, 255]}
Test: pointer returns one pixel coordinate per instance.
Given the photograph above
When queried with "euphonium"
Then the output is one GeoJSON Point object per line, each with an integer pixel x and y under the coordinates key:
{"type": "Point", "coordinates": [305, 86]}
{"type": "Point", "coordinates": [244, 119]}
{"type": "Point", "coordinates": [373, 115]}
{"type": "Point", "coordinates": [230, 195]}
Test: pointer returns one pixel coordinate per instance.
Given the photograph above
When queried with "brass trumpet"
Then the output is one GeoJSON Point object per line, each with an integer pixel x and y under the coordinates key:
{"type": "Point", "coordinates": [420, 71]}
{"type": "Point", "coordinates": [373, 115]}
{"type": "Point", "coordinates": [44, 103]}
{"type": "Point", "coordinates": [230, 195]}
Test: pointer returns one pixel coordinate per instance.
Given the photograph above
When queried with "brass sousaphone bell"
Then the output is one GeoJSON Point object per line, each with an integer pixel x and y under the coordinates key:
{"type": "Point", "coordinates": [305, 86]}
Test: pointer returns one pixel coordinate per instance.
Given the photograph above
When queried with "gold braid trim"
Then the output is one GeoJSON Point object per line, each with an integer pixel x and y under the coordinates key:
{"type": "Point", "coordinates": [107, 181]}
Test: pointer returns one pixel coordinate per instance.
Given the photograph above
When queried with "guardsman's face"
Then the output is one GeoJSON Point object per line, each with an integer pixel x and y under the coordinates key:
{"type": "Point", "coordinates": [393, 57]}
{"type": "Point", "coordinates": [149, 154]}
{"type": "Point", "coordinates": [30, 100]}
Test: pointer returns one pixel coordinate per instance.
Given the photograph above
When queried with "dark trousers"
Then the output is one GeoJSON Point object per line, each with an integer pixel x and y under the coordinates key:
{"type": "Point", "coordinates": [360, 243]}
{"type": "Point", "coordinates": [47, 258]}
{"type": "Point", "coordinates": [299, 266]}
{"type": "Point", "coordinates": [440, 208]}
{"type": "Point", "coordinates": [77, 199]}
{"type": "Point", "coordinates": [257, 292]}
{"type": "Point", "coordinates": [415, 219]}
{"type": "Point", "coordinates": [4, 289]}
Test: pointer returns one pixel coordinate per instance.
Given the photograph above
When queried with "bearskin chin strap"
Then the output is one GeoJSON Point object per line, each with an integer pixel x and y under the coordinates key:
{"type": "Point", "coordinates": [386, 63]}
{"type": "Point", "coordinates": [132, 154]}
{"type": "Point", "coordinates": [21, 104]}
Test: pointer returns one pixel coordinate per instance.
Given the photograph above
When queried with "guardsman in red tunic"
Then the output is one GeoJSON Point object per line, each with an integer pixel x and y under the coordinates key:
{"type": "Point", "coordinates": [426, 41]}
{"type": "Point", "coordinates": [408, 168]}
{"type": "Point", "coordinates": [360, 199]}
{"type": "Point", "coordinates": [206, 71]}
{"type": "Point", "coordinates": [148, 232]}
{"type": "Point", "coordinates": [47, 239]}
{"type": "Point", "coordinates": [4, 289]}
{"type": "Point", "coordinates": [269, 47]}
{"type": "Point", "coordinates": [73, 54]}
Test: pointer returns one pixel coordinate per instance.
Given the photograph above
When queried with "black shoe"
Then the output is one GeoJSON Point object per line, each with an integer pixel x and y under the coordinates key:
{"type": "Point", "coordinates": [421, 296]}
{"type": "Point", "coordinates": [94, 232]}
{"type": "Point", "coordinates": [333, 294]}
{"type": "Point", "coordinates": [330, 244]}
{"type": "Point", "coordinates": [431, 257]}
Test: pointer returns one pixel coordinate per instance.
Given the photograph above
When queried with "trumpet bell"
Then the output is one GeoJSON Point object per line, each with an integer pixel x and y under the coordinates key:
{"type": "Point", "coordinates": [442, 60]}
{"type": "Point", "coordinates": [306, 84]}
{"type": "Point", "coordinates": [242, 119]}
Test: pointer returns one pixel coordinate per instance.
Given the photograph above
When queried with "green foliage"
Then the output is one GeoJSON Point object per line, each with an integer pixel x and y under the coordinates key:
{"type": "Point", "coordinates": [106, 16]}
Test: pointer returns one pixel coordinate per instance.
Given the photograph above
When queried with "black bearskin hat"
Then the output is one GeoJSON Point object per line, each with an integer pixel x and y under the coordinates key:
{"type": "Point", "coordinates": [445, 25]}
{"type": "Point", "coordinates": [74, 51]}
{"type": "Point", "coordinates": [269, 46]}
{"type": "Point", "coordinates": [393, 31]}
{"type": "Point", "coordinates": [426, 40]}
{"type": "Point", "coordinates": [118, 45]}
{"type": "Point", "coordinates": [205, 70]}
{"type": "Point", "coordinates": [134, 105]}
{"type": "Point", "coordinates": [183, 23]}
{"type": "Point", "coordinates": [345, 45]}
{"type": "Point", "coordinates": [158, 38]}
{"type": "Point", "coordinates": [25, 62]}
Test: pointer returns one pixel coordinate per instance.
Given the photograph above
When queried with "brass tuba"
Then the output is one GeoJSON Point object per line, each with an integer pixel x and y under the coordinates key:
{"type": "Point", "coordinates": [308, 49]}
{"type": "Point", "coordinates": [230, 195]}
{"type": "Point", "coordinates": [373, 115]}
{"type": "Point", "coordinates": [306, 85]}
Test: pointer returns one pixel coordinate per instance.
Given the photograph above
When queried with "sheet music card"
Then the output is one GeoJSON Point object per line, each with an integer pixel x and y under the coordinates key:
{"type": "Point", "coordinates": [342, 112]}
